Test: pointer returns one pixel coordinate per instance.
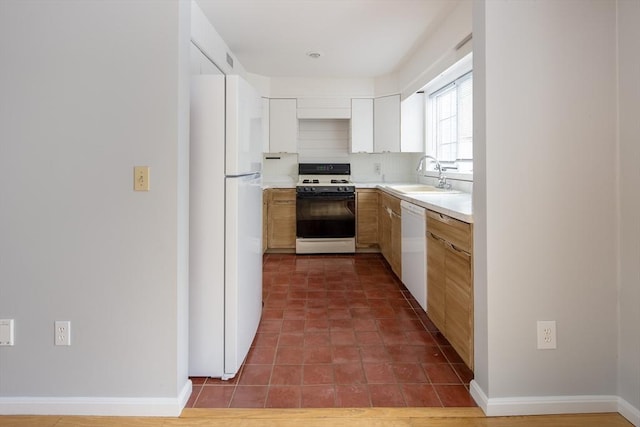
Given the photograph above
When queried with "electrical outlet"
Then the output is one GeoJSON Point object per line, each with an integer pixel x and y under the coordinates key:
{"type": "Point", "coordinates": [6, 331]}
{"type": "Point", "coordinates": [62, 332]}
{"type": "Point", "coordinates": [377, 168]}
{"type": "Point", "coordinates": [546, 334]}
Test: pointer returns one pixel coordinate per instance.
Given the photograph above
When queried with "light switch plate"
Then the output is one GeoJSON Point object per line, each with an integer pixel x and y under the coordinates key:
{"type": "Point", "coordinates": [6, 332]}
{"type": "Point", "coordinates": [141, 178]}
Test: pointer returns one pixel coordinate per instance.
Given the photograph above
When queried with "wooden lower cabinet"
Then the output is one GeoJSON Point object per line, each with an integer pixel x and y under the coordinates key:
{"type": "Point", "coordinates": [459, 303]}
{"type": "Point", "coordinates": [366, 218]}
{"type": "Point", "coordinates": [265, 210]}
{"type": "Point", "coordinates": [396, 243]}
{"type": "Point", "coordinates": [281, 218]}
{"type": "Point", "coordinates": [436, 251]}
{"type": "Point", "coordinates": [390, 231]}
{"type": "Point", "coordinates": [384, 230]}
{"type": "Point", "coordinates": [450, 281]}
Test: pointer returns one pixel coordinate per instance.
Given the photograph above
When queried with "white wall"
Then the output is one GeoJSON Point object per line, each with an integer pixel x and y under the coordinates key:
{"type": "Point", "coordinates": [293, 87]}
{"type": "Point", "coordinates": [207, 39]}
{"type": "Point", "coordinates": [629, 176]}
{"type": "Point", "coordinates": [437, 53]}
{"type": "Point", "coordinates": [545, 201]}
{"type": "Point", "coordinates": [90, 89]}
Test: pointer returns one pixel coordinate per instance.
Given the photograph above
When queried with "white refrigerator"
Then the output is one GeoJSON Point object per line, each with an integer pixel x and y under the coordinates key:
{"type": "Point", "coordinates": [225, 230]}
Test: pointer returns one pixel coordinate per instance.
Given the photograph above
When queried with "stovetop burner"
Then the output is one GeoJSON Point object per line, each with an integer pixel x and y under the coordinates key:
{"type": "Point", "coordinates": [339, 181]}
{"type": "Point", "coordinates": [311, 181]}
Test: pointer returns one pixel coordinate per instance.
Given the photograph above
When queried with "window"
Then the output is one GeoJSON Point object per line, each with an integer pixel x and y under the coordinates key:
{"type": "Point", "coordinates": [450, 124]}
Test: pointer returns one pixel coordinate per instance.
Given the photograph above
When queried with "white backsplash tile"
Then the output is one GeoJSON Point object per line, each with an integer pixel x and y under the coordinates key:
{"type": "Point", "coordinates": [394, 167]}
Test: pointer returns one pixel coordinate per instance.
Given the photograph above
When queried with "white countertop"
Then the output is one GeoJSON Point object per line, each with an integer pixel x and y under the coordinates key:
{"type": "Point", "coordinates": [280, 183]}
{"type": "Point", "coordinates": [455, 205]}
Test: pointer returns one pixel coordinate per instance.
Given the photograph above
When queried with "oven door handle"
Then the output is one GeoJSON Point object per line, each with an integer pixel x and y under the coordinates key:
{"type": "Point", "coordinates": [325, 197]}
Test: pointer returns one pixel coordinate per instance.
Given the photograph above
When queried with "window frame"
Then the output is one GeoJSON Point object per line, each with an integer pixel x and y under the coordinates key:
{"type": "Point", "coordinates": [456, 73]}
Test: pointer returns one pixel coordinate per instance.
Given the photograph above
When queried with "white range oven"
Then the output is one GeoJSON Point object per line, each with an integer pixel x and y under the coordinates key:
{"type": "Point", "coordinates": [325, 209]}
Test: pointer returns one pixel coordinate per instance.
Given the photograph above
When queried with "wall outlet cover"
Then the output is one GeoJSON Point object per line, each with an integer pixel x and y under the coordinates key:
{"type": "Point", "coordinates": [547, 335]}
{"type": "Point", "coordinates": [62, 332]}
{"type": "Point", "coordinates": [6, 332]}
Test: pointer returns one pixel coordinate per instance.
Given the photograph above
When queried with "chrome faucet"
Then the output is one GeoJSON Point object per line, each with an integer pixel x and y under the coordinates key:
{"type": "Point", "coordinates": [423, 158]}
{"type": "Point", "coordinates": [442, 180]}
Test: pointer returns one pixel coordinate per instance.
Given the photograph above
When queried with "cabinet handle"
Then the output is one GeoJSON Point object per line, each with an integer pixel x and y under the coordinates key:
{"type": "Point", "coordinates": [434, 237]}
{"type": "Point", "coordinates": [458, 250]}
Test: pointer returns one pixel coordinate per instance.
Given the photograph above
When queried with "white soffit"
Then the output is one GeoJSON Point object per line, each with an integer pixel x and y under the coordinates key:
{"type": "Point", "coordinates": [357, 38]}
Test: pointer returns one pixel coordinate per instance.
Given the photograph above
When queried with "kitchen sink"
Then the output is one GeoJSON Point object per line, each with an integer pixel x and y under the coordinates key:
{"type": "Point", "coordinates": [419, 188]}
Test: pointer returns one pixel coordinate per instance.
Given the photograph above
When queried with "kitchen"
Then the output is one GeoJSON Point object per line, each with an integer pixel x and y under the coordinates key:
{"type": "Point", "coordinates": [281, 169]}
{"type": "Point", "coordinates": [332, 145]}
{"type": "Point", "coordinates": [78, 243]}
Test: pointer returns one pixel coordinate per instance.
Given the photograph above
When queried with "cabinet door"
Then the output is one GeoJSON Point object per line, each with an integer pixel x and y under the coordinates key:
{"type": "Point", "coordinates": [396, 243]}
{"type": "Point", "coordinates": [265, 217]}
{"type": "Point", "coordinates": [283, 126]}
{"type": "Point", "coordinates": [412, 128]}
{"type": "Point", "coordinates": [361, 126]}
{"type": "Point", "coordinates": [459, 303]}
{"type": "Point", "coordinates": [367, 218]}
{"type": "Point", "coordinates": [384, 229]}
{"type": "Point", "coordinates": [386, 124]}
{"type": "Point", "coordinates": [436, 252]}
{"type": "Point", "coordinates": [282, 219]}
{"type": "Point", "coordinates": [265, 125]}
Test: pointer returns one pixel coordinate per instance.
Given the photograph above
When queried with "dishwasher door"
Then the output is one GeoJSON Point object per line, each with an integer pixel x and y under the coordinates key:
{"type": "Point", "coordinates": [414, 251]}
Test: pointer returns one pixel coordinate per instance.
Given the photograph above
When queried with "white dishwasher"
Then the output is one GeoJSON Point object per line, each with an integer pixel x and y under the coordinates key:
{"type": "Point", "coordinates": [414, 251]}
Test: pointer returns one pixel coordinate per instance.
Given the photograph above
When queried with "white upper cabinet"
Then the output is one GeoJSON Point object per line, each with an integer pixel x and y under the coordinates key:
{"type": "Point", "coordinates": [324, 108]}
{"type": "Point", "coordinates": [283, 125]}
{"type": "Point", "coordinates": [265, 125]}
{"type": "Point", "coordinates": [361, 136]}
{"type": "Point", "coordinates": [412, 124]}
{"type": "Point", "coordinates": [386, 124]}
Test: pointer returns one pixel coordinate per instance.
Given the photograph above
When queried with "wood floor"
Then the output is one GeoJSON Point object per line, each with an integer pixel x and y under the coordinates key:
{"type": "Point", "coordinates": [364, 417]}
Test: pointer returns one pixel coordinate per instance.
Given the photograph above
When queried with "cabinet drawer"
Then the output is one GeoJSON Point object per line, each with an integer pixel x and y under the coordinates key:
{"type": "Point", "coordinates": [391, 202]}
{"type": "Point", "coordinates": [282, 195]}
{"type": "Point", "coordinates": [456, 232]}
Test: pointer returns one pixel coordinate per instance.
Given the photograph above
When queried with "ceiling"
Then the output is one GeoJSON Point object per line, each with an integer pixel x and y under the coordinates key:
{"type": "Point", "coordinates": [356, 38]}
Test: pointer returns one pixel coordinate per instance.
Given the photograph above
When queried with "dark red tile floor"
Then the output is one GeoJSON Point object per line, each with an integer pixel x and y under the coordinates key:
{"type": "Point", "coordinates": [340, 331]}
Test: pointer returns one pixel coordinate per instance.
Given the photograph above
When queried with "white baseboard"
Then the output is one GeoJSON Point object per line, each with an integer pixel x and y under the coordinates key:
{"type": "Point", "coordinates": [98, 406]}
{"type": "Point", "coordinates": [630, 412]}
{"type": "Point", "coordinates": [546, 405]}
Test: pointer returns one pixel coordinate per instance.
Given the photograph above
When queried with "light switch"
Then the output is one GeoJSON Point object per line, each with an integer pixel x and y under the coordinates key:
{"type": "Point", "coordinates": [6, 331]}
{"type": "Point", "coordinates": [141, 178]}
